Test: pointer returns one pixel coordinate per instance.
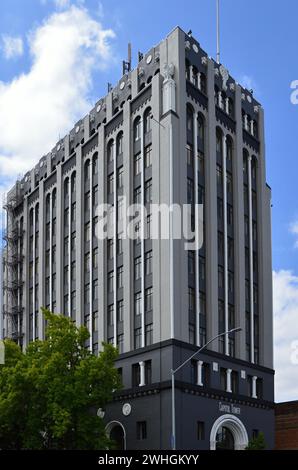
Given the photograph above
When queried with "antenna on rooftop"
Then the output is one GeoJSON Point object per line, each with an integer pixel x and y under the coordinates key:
{"type": "Point", "coordinates": [126, 64]}
{"type": "Point", "coordinates": [217, 33]}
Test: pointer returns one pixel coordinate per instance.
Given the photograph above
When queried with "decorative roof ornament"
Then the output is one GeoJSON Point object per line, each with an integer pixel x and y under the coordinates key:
{"type": "Point", "coordinates": [169, 71]}
{"type": "Point", "coordinates": [224, 75]}
{"type": "Point", "coordinates": [204, 60]}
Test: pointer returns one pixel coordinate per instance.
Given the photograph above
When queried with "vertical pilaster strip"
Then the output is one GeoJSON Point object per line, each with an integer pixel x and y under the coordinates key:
{"type": "Point", "coordinates": [143, 231]}
{"type": "Point", "coordinates": [225, 217]}
{"type": "Point", "coordinates": [51, 250]}
{"type": "Point", "coordinates": [41, 267]}
{"type": "Point", "coordinates": [91, 257]}
{"type": "Point", "coordinates": [115, 240]}
{"type": "Point", "coordinates": [238, 201]}
{"type": "Point", "coordinates": [251, 271]}
{"type": "Point", "coordinates": [69, 245]}
{"type": "Point", "coordinates": [34, 274]}
{"type": "Point", "coordinates": [197, 252]}
{"type": "Point", "coordinates": [80, 229]}
{"type": "Point", "coordinates": [127, 245]}
{"type": "Point", "coordinates": [211, 222]}
{"type": "Point", "coordinates": [59, 236]}
{"type": "Point", "coordinates": [102, 258]}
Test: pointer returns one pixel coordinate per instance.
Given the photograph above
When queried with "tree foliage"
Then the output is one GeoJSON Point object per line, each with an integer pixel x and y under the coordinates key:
{"type": "Point", "coordinates": [257, 443]}
{"type": "Point", "coordinates": [49, 395]}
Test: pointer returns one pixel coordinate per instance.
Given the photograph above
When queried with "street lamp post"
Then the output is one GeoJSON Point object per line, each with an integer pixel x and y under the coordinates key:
{"type": "Point", "coordinates": [173, 372]}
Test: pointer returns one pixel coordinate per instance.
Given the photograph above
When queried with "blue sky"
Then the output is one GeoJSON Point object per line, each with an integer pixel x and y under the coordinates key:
{"type": "Point", "coordinates": [259, 45]}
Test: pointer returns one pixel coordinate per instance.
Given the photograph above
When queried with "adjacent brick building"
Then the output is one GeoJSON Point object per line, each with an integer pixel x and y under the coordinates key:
{"type": "Point", "coordinates": [286, 426]}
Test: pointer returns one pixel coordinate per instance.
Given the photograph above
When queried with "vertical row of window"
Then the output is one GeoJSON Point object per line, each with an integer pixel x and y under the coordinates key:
{"type": "Point", "coordinates": [33, 272]}
{"type": "Point", "coordinates": [50, 250]}
{"type": "Point", "coordinates": [90, 251]}
{"type": "Point", "coordinates": [142, 195]}
{"type": "Point", "coordinates": [69, 246]}
{"type": "Point", "coordinates": [196, 193]}
{"type": "Point", "coordinates": [225, 240]}
{"type": "Point", "coordinates": [251, 285]}
{"type": "Point", "coordinates": [115, 270]}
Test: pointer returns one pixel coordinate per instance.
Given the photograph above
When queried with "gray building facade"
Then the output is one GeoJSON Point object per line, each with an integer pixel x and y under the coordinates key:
{"type": "Point", "coordinates": [179, 130]}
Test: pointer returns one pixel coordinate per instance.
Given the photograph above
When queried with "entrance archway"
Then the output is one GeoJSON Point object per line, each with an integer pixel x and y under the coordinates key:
{"type": "Point", "coordinates": [116, 431]}
{"type": "Point", "coordinates": [228, 433]}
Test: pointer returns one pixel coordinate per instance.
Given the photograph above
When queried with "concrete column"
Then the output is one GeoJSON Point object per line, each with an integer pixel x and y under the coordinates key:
{"type": "Point", "coordinates": [41, 258]}
{"type": "Point", "coordinates": [251, 271]}
{"type": "Point", "coordinates": [254, 387]}
{"type": "Point", "coordinates": [229, 380]}
{"type": "Point", "coordinates": [59, 238]}
{"type": "Point", "coordinates": [239, 245]}
{"type": "Point", "coordinates": [199, 373]}
{"type": "Point", "coordinates": [142, 374]}
{"type": "Point", "coordinates": [79, 237]}
{"type": "Point", "coordinates": [211, 222]}
{"type": "Point", "coordinates": [102, 271]}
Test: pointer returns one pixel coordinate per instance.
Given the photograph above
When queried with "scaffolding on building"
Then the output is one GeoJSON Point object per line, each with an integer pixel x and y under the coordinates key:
{"type": "Point", "coordinates": [11, 267]}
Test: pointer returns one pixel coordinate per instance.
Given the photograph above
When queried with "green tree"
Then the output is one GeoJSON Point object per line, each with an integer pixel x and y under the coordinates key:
{"type": "Point", "coordinates": [257, 443]}
{"type": "Point", "coordinates": [50, 394]}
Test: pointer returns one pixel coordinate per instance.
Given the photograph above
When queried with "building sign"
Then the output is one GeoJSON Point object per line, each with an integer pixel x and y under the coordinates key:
{"type": "Point", "coordinates": [229, 408]}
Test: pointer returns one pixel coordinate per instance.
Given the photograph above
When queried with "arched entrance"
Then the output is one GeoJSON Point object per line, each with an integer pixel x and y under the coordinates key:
{"type": "Point", "coordinates": [116, 431]}
{"type": "Point", "coordinates": [228, 433]}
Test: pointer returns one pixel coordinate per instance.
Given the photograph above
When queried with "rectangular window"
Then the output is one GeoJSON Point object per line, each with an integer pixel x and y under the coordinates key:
{"type": "Point", "coordinates": [120, 177]}
{"type": "Point", "coordinates": [192, 331]}
{"type": "Point", "coordinates": [120, 343]}
{"type": "Point", "coordinates": [110, 248]}
{"type": "Point", "coordinates": [87, 232]}
{"type": "Point", "coordinates": [87, 202]}
{"type": "Point", "coordinates": [137, 197]}
{"type": "Point", "coordinates": [95, 290]}
{"type": "Point", "coordinates": [138, 304]}
{"type": "Point", "coordinates": [95, 322]}
{"type": "Point", "coordinates": [149, 336]}
{"type": "Point", "coordinates": [136, 377]}
{"type": "Point", "coordinates": [191, 299]}
{"type": "Point", "coordinates": [138, 338]}
{"type": "Point", "coordinates": [148, 156]}
{"type": "Point", "coordinates": [87, 294]}
{"type": "Point", "coordinates": [191, 262]}
{"type": "Point", "coordinates": [110, 281]}
{"type": "Point", "coordinates": [148, 191]}
{"type": "Point", "coordinates": [148, 372]}
{"type": "Point", "coordinates": [201, 430]}
{"type": "Point", "coordinates": [148, 299]}
{"type": "Point", "coordinates": [120, 310]}
{"type": "Point", "coordinates": [111, 315]}
{"type": "Point", "coordinates": [190, 191]}
{"type": "Point", "coordinates": [120, 244]}
{"type": "Point", "coordinates": [223, 379]}
{"type": "Point", "coordinates": [137, 268]}
{"type": "Point", "coordinates": [111, 184]}
{"type": "Point", "coordinates": [87, 263]}
{"type": "Point", "coordinates": [120, 277]}
{"type": "Point", "coordinates": [137, 164]}
{"type": "Point", "coordinates": [149, 224]}
{"type": "Point", "coordinates": [189, 154]}
{"type": "Point", "coordinates": [95, 258]}
{"type": "Point", "coordinates": [148, 263]}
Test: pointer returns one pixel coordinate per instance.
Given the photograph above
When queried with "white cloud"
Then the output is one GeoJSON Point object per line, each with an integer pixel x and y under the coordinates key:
{"type": "Point", "coordinates": [37, 106]}
{"type": "Point", "coordinates": [294, 231]}
{"type": "Point", "coordinates": [62, 3]}
{"type": "Point", "coordinates": [285, 301]}
{"type": "Point", "coordinates": [12, 46]}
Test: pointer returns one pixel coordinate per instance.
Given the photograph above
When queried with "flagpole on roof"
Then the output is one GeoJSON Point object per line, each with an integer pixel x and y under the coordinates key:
{"type": "Point", "coordinates": [217, 33]}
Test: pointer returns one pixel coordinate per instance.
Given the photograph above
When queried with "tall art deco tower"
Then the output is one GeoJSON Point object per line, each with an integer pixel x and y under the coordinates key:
{"type": "Point", "coordinates": [176, 129]}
